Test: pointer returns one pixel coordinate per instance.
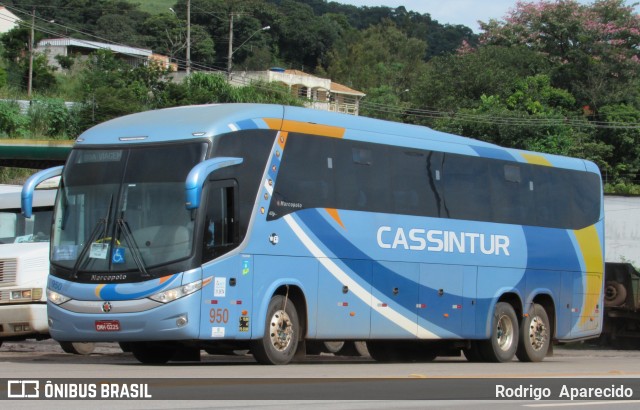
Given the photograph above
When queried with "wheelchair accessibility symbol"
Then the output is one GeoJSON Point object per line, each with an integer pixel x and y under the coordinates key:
{"type": "Point", "coordinates": [118, 256]}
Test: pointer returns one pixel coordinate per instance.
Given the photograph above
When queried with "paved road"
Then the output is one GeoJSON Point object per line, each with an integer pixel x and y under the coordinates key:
{"type": "Point", "coordinates": [235, 374]}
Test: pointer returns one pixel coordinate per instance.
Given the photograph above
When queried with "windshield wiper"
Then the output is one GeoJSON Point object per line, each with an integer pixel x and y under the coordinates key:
{"type": "Point", "coordinates": [94, 234]}
{"type": "Point", "coordinates": [133, 246]}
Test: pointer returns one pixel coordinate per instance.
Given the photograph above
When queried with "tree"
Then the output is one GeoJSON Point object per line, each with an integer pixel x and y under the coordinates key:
{"type": "Point", "coordinates": [112, 88]}
{"type": "Point", "coordinates": [166, 34]}
{"type": "Point", "coordinates": [379, 56]}
{"type": "Point", "coordinates": [305, 39]}
{"type": "Point", "coordinates": [536, 116]}
{"type": "Point", "coordinates": [625, 154]}
{"type": "Point", "coordinates": [3, 77]}
{"type": "Point", "coordinates": [593, 48]}
{"type": "Point", "coordinates": [16, 53]}
{"type": "Point", "coordinates": [458, 81]}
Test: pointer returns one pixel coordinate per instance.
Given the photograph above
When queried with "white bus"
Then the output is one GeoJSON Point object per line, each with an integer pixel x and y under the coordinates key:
{"type": "Point", "coordinates": [24, 266]}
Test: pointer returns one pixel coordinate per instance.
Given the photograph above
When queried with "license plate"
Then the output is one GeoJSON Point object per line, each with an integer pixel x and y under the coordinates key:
{"type": "Point", "coordinates": [107, 325]}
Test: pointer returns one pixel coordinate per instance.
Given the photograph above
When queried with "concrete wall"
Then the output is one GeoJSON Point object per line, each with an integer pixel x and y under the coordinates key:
{"type": "Point", "coordinates": [622, 229]}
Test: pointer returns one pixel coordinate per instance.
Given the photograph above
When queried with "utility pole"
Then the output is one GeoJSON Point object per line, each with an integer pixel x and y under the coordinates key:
{"type": "Point", "coordinates": [229, 57]}
{"type": "Point", "coordinates": [188, 37]}
{"type": "Point", "coordinates": [31, 38]}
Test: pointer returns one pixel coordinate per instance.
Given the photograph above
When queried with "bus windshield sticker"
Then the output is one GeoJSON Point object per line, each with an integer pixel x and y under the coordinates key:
{"type": "Point", "coordinates": [65, 253]}
{"type": "Point", "coordinates": [98, 250]}
{"type": "Point", "coordinates": [118, 256]}
{"type": "Point", "coordinates": [220, 287]}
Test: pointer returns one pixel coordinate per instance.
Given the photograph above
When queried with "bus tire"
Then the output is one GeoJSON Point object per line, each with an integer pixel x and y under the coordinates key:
{"type": "Point", "coordinates": [152, 353]}
{"type": "Point", "coordinates": [354, 348]}
{"type": "Point", "coordinates": [502, 345]}
{"type": "Point", "coordinates": [316, 347]}
{"type": "Point", "coordinates": [282, 331]}
{"type": "Point", "coordinates": [125, 346]}
{"type": "Point", "coordinates": [535, 336]}
{"type": "Point", "coordinates": [615, 293]}
{"type": "Point", "coordinates": [361, 348]}
{"type": "Point", "coordinates": [80, 348]}
{"type": "Point", "coordinates": [381, 352]}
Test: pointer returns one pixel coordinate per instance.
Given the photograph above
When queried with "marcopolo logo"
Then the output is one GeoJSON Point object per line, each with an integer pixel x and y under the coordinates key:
{"type": "Point", "coordinates": [433, 240]}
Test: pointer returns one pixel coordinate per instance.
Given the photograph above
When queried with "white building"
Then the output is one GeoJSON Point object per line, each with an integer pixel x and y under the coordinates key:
{"type": "Point", "coordinates": [71, 47]}
{"type": "Point", "coordinates": [320, 93]}
{"type": "Point", "coordinates": [8, 20]}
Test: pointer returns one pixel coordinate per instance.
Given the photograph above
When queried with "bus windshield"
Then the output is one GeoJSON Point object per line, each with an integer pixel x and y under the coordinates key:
{"type": "Point", "coordinates": [123, 209]}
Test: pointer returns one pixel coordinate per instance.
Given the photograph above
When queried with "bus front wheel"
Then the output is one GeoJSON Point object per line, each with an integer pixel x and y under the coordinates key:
{"type": "Point", "coordinates": [282, 332]}
{"type": "Point", "coordinates": [81, 348]}
{"type": "Point", "coordinates": [502, 345]}
{"type": "Point", "coordinates": [535, 336]}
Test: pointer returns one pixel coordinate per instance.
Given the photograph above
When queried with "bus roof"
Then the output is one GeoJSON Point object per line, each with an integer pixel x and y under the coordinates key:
{"type": "Point", "coordinates": [207, 120]}
{"type": "Point", "coordinates": [189, 122]}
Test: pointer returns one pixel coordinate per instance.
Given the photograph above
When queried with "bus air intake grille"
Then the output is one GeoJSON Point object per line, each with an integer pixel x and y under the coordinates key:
{"type": "Point", "coordinates": [8, 269]}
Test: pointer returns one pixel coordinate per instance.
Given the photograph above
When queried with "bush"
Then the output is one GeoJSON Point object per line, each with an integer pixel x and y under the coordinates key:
{"type": "Point", "coordinates": [49, 117]}
{"type": "Point", "coordinates": [12, 123]}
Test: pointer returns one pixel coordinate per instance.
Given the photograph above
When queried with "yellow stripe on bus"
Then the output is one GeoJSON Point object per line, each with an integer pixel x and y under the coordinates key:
{"type": "Point", "coordinates": [589, 243]}
{"type": "Point", "coordinates": [536, 159]}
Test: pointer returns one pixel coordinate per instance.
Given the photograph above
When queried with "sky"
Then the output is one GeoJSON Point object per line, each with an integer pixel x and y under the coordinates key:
{"type": "Point", "coordinates": [466, 12]}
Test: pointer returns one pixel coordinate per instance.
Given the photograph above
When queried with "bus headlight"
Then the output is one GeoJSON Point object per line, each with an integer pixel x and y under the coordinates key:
{"type": "Point", "coordinates": [170, 295]}
{"type": "Point", "coordinates": [56, 298]}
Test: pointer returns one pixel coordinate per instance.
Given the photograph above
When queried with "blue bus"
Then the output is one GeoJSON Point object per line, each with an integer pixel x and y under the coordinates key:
{"type": "Point", "coordinates": [264, 227]}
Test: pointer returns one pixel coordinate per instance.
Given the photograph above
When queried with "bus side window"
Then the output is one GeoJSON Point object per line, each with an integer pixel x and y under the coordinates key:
{"type": "Point", "coordinates": [220, 227]}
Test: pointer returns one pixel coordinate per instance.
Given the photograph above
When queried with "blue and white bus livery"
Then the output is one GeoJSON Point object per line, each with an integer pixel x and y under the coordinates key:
{"type": "Point", "coordinates": [262, 227]}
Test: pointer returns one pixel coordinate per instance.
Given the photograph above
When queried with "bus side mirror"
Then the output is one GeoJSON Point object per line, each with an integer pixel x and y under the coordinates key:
{"type": "Point", "coordinates": [198, 175]}
{"type": "Point", "coordinates": [26, 198]}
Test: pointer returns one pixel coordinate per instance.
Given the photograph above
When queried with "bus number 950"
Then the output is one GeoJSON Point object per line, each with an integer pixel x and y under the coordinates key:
{"type": "Point", "coordinates": [218, 315]}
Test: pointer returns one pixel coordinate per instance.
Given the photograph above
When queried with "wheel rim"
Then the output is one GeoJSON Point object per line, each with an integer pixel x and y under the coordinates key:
{"type": "Point", "coordinates": [537, 333]}
{"type": "Point", "coordinates": [610, 292]}
{"type": "Point", "coordinates": [504, 333]}
{"type": "Point", "coordinates": [280, 330]}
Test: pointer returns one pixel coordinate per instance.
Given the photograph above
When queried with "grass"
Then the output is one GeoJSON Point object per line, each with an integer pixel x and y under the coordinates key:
{"type": "Point", "coordinates": [154, 6]}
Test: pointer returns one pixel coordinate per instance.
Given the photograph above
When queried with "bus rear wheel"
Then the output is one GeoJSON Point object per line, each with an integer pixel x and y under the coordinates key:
{"type": "Point", "coordinates": [502, 345]}
{"type": "Point", "coordinates": [282, 332]}
{"type": "Point", "coordinates": [535, 336]}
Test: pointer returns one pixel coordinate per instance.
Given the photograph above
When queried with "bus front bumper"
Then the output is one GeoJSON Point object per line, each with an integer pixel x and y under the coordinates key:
{"type": "Point", "coordinates": [177, 320]}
